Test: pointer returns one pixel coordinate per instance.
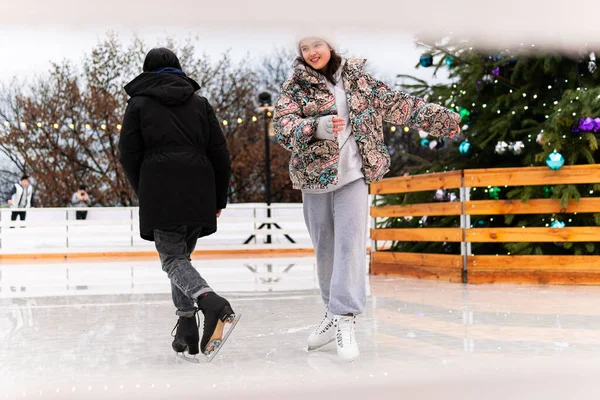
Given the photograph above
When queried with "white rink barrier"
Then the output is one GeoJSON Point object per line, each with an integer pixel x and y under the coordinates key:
{"type": "Point", "coordinates": [241, 226]}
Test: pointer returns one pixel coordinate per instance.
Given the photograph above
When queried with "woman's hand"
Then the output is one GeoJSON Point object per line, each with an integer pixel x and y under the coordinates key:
{"type": "Point", "coordinates": [338, 126]}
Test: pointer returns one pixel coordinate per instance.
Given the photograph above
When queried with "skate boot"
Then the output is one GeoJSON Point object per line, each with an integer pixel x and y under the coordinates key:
{"type": "Point", "coordinates": [219, 322]}
{"type": "Point", "coordinates": [347, 348]}
{"type": "Point", "coordinates": [324, 333]}
{"type": "Point", "coordinates": [186, 338]}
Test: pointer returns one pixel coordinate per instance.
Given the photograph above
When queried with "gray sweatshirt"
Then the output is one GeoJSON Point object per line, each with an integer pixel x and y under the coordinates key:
{"type": "Point", "coordinates": [350, 163]}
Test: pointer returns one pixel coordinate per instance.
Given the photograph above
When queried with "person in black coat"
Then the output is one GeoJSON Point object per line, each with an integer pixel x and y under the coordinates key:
{"type": "Point", "coordinates": [175, 157]}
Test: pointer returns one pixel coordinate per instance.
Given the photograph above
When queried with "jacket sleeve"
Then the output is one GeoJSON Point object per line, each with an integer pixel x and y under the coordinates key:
{"type": "Point", "coordinates": [219, 157]}
{"type": "Point", "coordinates": [131, 145]}
{"type": "Point", "coordinates": [11, 193]}
{"type": "Point", "coordinates": [403, 109]}
{"type": "Point", "coordinates": [292, 129]}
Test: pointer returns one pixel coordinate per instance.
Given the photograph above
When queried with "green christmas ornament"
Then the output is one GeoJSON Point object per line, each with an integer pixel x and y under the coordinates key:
{"type": "Point", "coordinates": [547, 191]}
{"type": "Point", "coordinates": [494, 193]}
{"type": "Point", "coordinates": [464, 114]}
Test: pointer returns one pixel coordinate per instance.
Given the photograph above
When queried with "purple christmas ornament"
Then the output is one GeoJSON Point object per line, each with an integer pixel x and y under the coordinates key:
{"type": "Point", "coordinates": [597, 123]}
{"type": "Point", "coordinates": [586, 124]}
{"type": "Point", "coordinates": [496, 71]}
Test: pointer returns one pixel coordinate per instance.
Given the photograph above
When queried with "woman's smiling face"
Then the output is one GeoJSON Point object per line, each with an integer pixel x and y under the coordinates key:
{"type": "Point", "coordinates": [316, 52]}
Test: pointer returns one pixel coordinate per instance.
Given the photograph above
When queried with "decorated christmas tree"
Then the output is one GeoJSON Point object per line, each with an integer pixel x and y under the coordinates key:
{"type": "Point", "coordinates": [520, 108]}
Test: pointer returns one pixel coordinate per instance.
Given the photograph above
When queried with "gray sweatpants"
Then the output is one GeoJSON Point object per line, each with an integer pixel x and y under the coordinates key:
{"type": "Point", "coordinates": [337, 224]}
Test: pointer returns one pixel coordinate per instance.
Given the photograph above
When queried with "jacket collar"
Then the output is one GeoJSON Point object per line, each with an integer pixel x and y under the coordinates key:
{"type": "Point", "coordinates": [350, 66]}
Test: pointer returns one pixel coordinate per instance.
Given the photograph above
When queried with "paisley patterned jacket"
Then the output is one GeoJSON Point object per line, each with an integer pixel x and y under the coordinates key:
{"type": "Point", "coordinates": [305, 98]}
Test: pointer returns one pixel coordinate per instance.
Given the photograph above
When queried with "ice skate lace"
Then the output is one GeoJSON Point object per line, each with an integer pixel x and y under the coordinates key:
{"type": "Point", "coordinates": [344, 331]}
{"type": "Point", "coordinates": [177, 324]}
{"type": "Point", "coordinates": [325, 324]}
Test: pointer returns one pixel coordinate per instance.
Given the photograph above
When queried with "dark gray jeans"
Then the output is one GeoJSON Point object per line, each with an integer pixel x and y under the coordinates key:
{"type": "Point", "coordinates": [175, 248]}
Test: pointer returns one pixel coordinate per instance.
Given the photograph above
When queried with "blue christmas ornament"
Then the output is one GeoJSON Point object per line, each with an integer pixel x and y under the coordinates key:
{"type": "Point", "coordinates": [464, 147]}
{"type": "Point", "coordinates": [425, 142]}
{"type": "Point", "coordinates": [449, 61]}
{"type": "Point", "coordinates": [557, 224]}
{"type": "Point", "coordinates": [555, 160]}
{"type": "Point", "coordinates": [426, 60]}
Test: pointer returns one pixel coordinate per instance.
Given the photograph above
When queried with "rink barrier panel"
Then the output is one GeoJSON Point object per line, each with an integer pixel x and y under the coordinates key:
{"type": "Point", "coordinates": [114, 231]}
{"type": "Point", "coordinates": [466, 267]}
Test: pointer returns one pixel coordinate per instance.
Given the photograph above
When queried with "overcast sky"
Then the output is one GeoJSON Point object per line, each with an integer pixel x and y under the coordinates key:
{"type": "Point", "coordinates": [27, 51]}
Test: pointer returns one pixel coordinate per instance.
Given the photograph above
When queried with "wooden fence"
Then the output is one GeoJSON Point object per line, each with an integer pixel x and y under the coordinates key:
{"type": "Point", "coordinates": [466, 267]}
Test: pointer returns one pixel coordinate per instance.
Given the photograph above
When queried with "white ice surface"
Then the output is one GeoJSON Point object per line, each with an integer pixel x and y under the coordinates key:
{"type": "Point", "coordinates": [101, 330]}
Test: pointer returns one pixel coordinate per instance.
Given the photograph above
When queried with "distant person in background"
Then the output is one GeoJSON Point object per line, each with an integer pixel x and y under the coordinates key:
{"type": "Point", "coordinates": [80, 199]}
{"type": "Point", "coordinates": [21, 196]}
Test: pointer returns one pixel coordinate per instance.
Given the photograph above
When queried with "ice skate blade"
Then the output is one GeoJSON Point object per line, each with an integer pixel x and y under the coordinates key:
{"type": "Point", "coordinates": [347, 360]}
{"type": "Point", "coordinates": [213, 347]}
{"type": "Point", "coordinates": [313, 348]}
{"type": "Point", "coordinates": [188, 358]}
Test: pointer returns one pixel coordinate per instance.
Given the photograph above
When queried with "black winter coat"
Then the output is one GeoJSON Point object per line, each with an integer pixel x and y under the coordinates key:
{"type": "Point", "coordinates": [174, 154]}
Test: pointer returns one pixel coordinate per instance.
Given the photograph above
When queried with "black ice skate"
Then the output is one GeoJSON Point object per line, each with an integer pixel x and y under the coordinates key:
{"type": "Point", "coordinates": [219, 322]}
{"type": "Point", "coordinates": [186, 339]}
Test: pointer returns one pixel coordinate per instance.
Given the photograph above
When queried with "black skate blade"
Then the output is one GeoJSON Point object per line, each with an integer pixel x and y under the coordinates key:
{"type": "Point", "coordinates": [210, 356]}
{"type": "Point", "coordinates": [188, 358]}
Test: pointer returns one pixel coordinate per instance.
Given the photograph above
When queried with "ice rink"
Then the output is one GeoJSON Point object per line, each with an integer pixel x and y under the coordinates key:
{"type": "Point", "coordinates": [86, 329]}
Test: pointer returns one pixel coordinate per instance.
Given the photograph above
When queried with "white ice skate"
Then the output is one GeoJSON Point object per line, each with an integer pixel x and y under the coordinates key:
{"type": "Point", "coordinates": [324, 333]}
{"type": "Point", "coordinates": [347, 348]}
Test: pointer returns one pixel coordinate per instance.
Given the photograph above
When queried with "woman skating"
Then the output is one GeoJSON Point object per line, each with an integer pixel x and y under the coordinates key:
{"type": "Point", "coordinates": [330, 116]}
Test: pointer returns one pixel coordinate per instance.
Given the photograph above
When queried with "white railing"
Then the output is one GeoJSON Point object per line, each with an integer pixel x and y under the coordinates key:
{"type": "Point", "coordinates": [117, 229]}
